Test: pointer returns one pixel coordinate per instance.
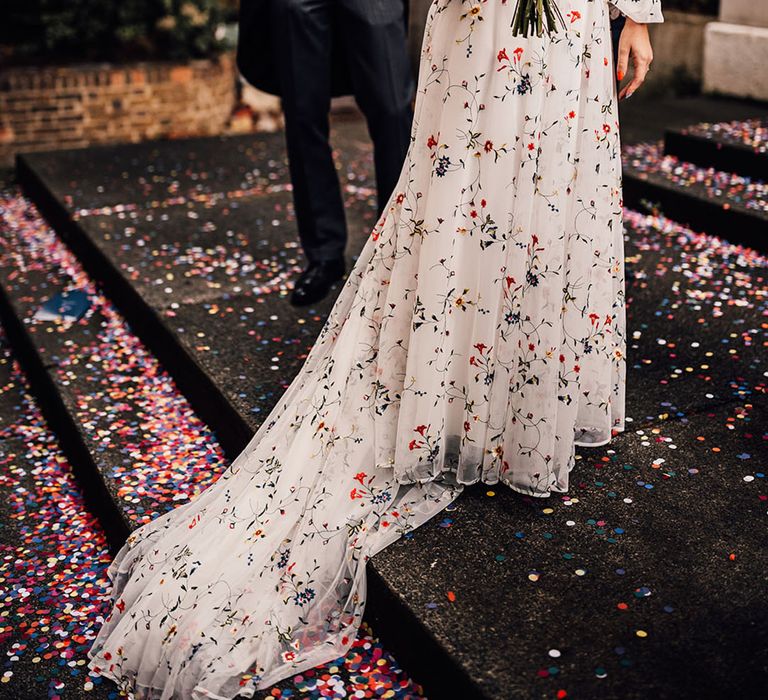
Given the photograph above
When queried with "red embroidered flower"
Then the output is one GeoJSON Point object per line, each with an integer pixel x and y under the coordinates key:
{"type": "Point", "coordinates": [431, 142]}
{"type": "Point", "coordinates": [473, 214]}
{"type": "Point", "coordinates": [502, 55]}
{"type": "Point", "coordinates": [488, 146]}
{"type": "Point", "coordinates": [518, 52]}
{"type": "Point", "coordinates": [420, 429]}
{"type": "Point", "coordinates": [360, 476]}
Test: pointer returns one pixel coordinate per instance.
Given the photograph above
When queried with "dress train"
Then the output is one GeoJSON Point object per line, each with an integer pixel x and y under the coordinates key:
{"type": "Point", "coordinates": [479, 337]}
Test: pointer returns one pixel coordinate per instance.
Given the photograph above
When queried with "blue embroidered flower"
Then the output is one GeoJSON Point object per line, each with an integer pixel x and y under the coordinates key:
{"type": "Point", "coordinates": [524, 86]}
{"type": "Point", "coordinates": [382, 497]}
{"type": "Point", "coordinates": [303, 597]}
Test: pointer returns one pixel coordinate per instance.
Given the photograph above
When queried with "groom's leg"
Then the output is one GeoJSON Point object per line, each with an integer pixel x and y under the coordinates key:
{"type": "Point", "coordinates": [303, 42]}
{"type": "Point", "coordinates": [382, 78]}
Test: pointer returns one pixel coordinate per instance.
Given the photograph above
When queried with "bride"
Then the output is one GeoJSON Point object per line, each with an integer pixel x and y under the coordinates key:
{"type": "Point", "coordinates": [479, 337]}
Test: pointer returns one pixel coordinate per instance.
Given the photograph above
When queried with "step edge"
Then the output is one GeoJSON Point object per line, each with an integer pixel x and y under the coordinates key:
{"type": "Point", "coordinates": [43, 387]}
{"type": "Point", "coordinates": [738, 226]}
{"type": "Point", "coordinates": [712, 153]}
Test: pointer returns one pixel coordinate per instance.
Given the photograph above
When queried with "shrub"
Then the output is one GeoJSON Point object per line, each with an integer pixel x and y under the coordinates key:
{"type": "Point", "coordinates": [100, 30]}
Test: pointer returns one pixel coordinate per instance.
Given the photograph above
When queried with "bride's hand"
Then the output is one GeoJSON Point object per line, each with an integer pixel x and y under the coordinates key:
{"type": "Point", "coordinates": [634, 44]}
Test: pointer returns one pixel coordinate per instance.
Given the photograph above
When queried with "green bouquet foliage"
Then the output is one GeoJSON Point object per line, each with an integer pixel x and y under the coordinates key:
{"type": "Point", "coordinates": [54, 31]}
{"type": "Point", "coordinates": [536, 17]}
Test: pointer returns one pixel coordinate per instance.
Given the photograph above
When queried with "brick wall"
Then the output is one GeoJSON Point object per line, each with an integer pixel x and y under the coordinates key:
{"type": "Point", "coordinates": [73, 106]}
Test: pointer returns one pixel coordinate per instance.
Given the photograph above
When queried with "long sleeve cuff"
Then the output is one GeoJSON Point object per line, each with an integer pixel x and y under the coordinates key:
{"type": "Point", "coordinates": [645, 11]}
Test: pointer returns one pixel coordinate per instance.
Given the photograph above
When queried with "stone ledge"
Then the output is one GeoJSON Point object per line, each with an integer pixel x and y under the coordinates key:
{"type": "Point", "coordinates": [735, 57]}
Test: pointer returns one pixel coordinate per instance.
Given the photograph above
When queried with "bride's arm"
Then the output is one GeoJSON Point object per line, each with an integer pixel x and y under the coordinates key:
{"type": "Point", "coordinates": [634, 42]}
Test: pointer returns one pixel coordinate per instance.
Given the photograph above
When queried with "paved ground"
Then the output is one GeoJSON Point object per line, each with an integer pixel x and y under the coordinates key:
{"type": "Point", "coordinates": [647, 579]}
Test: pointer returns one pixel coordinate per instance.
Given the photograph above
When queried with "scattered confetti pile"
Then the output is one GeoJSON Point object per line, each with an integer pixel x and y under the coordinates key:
{"type": "Point", "coordinates": [728, 188]}
{"type": "Point", "coordinates": [750, 133]}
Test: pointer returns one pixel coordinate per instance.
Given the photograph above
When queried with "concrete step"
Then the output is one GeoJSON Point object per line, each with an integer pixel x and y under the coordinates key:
{"type": "Point", "coordinates": [232, 342]}
{"type": "Point", "coordinates": [697, 205]}
{"type": "Point", "coordinates": [721, 151]}
{"type": "Point", "coordinates": [710, 176]}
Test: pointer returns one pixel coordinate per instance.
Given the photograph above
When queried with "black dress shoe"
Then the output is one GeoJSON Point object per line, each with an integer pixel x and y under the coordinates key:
{"type": "Point", "coordinates": [316, 281]}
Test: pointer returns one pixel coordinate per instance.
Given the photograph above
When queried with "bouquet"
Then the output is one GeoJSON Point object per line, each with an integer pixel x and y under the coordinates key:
{"type": "Point", "coordinates": [536, 16]}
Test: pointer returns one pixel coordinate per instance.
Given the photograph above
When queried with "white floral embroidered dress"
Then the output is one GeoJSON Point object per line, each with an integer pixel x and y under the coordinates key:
{"type": "Point", "coordinates": [479, 337]}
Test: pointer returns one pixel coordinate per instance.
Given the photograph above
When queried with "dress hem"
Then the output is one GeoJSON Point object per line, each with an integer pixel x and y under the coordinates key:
{"type": "Point", "coordinates": [541, 494]}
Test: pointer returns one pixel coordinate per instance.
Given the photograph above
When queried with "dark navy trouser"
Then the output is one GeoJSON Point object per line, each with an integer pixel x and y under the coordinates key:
{"type": "Point", "coordinates": [374, 38]}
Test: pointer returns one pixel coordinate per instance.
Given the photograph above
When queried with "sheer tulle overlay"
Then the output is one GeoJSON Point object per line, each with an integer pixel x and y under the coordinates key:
{"type": "Point", "coordinates": [479, 337]}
